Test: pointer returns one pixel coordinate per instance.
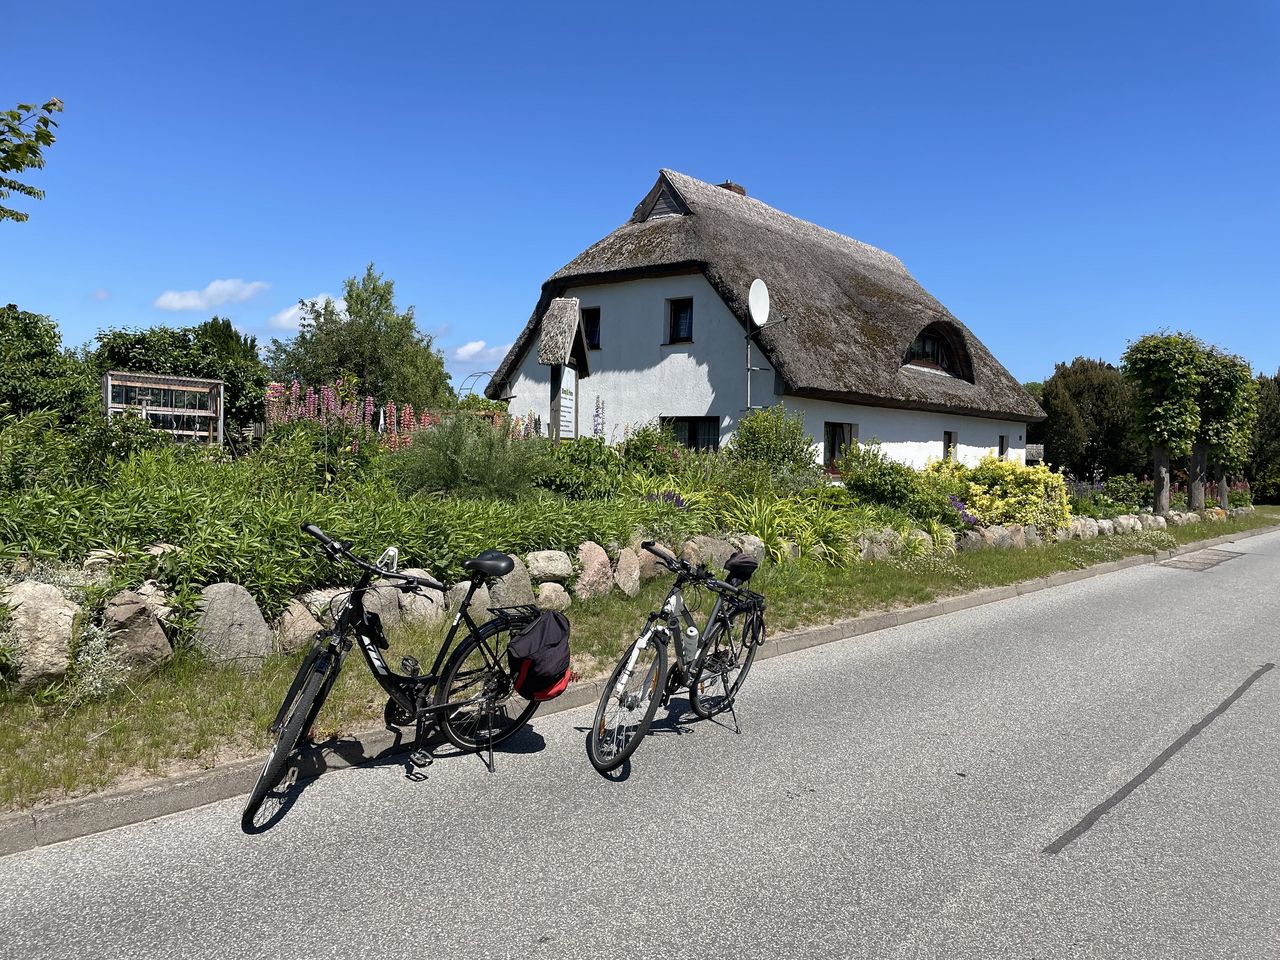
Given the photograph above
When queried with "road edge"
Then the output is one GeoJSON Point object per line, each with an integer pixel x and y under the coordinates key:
{"type": "Point", "coordinates": [42, 826]}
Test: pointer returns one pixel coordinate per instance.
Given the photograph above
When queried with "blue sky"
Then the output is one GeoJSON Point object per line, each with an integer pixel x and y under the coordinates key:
{"type": "Point", "coordinates": [1063, 177]}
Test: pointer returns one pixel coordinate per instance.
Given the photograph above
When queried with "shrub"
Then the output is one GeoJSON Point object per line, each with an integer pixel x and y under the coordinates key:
{"type": "Point", "coordinates": [874, 477]}
{"type": "Point", "coordinates": [584, 467]}
{"type": "Point", "coordinates": [1004, 491]}
{"type": "Point", "coordinates": [467, 455]}
{"type": "Point", "coordinates": [652, 448]}
{"type": "Point", "coordinates": [36, 450]}
{"type": "Point", "coordinates": [1128, 492]}
{"type": "Point", "coordinates": [772, 436]}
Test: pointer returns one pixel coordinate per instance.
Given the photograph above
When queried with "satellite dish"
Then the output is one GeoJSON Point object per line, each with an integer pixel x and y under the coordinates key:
{"type": "Point", "coordinates": [758, 302]}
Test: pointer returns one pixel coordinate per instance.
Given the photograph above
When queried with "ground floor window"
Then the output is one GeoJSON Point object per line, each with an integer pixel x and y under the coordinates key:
{"type": "Point", "coordinates": [1004, 446]}
{"type": "Point", "coordinates": [836, 440]}
{"type": "Point", "coordinates": [697, 433]}
{"type": "Point", "coordinates": [949, 441]}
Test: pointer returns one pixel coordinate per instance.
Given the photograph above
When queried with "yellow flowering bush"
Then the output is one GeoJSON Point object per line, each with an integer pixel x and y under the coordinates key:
{"type": "Point", "coordinates": [1004, 491]}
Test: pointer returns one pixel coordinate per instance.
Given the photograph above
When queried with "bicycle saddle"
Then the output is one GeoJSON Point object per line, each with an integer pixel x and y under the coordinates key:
{"type": "Point", "coordinates": [491, 563]}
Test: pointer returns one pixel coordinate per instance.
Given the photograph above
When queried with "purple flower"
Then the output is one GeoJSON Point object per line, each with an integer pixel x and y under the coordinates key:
{"type": "Point", "coordinates": [965, 516]}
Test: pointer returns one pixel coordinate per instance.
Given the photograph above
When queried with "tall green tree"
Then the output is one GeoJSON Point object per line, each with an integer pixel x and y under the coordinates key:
{"type": "Point", "coordinates": [1165, 371]}
{"type": "Point", "coordinates": [36, 373]}
{"type": "Point", "coordinates": [1089, 427]}
{"type": "Point", "coordinates": [1228, 413]}
{"type": "Point", "coordinates": [369, 339]}
{"type": "Point", "coordinates": [213, 350]}
{"type": "Point", "coordinates": [1263, 469]}
{"type": "Point", "coordinates": [25, 131]}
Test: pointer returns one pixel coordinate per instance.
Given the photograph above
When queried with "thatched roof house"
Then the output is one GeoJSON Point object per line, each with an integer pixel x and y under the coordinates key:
{"type": "Point", "coordinates": [849, 324]}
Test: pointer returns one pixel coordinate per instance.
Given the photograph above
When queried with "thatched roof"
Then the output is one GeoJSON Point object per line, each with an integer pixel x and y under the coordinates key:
{"type": "Point", "coordinates": [562, 338]}
{"type": "Point", "coordinates": [843, 314]}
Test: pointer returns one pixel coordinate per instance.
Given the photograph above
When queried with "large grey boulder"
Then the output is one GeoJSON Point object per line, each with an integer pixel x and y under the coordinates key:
{"type": "Point", "coordinates": [596, 576]}
{"type": "Point", "coordinates": [1083, 528]}
{"type": "Point", "coordinates": [998, 537]}
{"type": "Point", "coordinates": [383, 598]}
{"type": "Point", "coordinates": [547, 565]}
{"type": "Point", "coordinates": [134, 635]}
{"type": "Point", "coordinates": [423, 605]}
{"type": "Point", "coordinates": [296, 627]}
{"type": "Point", "coordinates": [478, 609]}
{"type": "Point", "coordinates": [651, 566]}
{"type": "Point", "coordinates": [514, 589]}
{"type": "Point", "coordinates": [1106, 528]}
{"type": "Point", "coordinates": [1031, 536]}
{"type": "Point", "coordinates": [1150, 521]}
{"type": "Point", "coordinates": [967, 540]}
{"type": "Point", "coordinates": [325, 604]}
{"type": "Point", "coordinates": [1017, 535]}
{"type": "Point", "coordinates": [712, 551]}
{"type": "Point", "coordinates": [553, 596]}
{"type": "Point", "coordinates": [921, 537]}
{"type": "Point", "coordinates": [230, 628]}
{"type": "Point", "coordinates": [1127, 523]}
{"type": "Point", "coordinates": [627, 572]}
{"type": "Point", "coordinates": [41, 624]}
{"type": "Point", "coordinates": [749, 544]}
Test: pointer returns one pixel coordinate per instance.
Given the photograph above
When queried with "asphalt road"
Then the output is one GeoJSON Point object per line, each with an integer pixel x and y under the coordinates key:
{"type": "Point", "coordinates": [1088, 771]}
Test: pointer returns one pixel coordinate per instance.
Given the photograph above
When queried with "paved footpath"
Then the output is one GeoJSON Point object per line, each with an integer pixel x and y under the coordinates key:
{"type": "Point", "coordinates": [1088, 771]}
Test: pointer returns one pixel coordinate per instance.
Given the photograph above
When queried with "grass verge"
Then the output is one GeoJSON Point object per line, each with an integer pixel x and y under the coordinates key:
{"type": "Point", "coordinates": [188, 716]}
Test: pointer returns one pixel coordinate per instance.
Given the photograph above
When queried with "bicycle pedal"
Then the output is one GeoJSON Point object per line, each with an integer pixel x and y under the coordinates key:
{"type": "Point", "coordinates": [410, 666]}
{"type": "Point", "coordinates": [421, 758]}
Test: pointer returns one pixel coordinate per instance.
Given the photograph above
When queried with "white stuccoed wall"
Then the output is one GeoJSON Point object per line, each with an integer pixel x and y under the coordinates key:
{"type": "Point", "coordinates": [640, 378]}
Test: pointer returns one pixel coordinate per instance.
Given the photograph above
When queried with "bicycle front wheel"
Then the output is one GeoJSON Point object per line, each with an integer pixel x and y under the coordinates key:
{"type": "Point", "coordinates": [628, 704]}
{"type": "Point", "coordinates": [301, 716]}
{"type": "Point", "coordinates": [723, 666]}
{"type": "Point", "coordinates": [479, 683]}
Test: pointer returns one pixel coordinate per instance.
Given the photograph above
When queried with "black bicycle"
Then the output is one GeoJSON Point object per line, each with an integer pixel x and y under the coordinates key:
{"type": "Point", "coordinates": [470, 696]}
{"type": "Point", "coordinates": [713, 662]}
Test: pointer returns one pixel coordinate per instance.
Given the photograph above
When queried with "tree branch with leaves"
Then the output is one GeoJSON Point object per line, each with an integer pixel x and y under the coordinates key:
{"type": "Point", "coordinates": [25, 131]}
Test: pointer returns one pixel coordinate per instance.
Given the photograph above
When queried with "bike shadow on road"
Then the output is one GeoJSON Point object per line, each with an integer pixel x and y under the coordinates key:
{"type": "Point", "coordinates": [678, 720]}
{"type": "Point", "coordinates": [341, 753]}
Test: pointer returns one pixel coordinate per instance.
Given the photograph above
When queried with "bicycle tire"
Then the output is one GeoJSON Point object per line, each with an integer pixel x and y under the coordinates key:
{"type": "Point", "coordinates": [604, 750]}
{"type": "Point", "coordinates": [464, 727]}
{"type": "Point", "coordinates": [729, 658]}
{"type": "Point", "coordinates": [301, 715]}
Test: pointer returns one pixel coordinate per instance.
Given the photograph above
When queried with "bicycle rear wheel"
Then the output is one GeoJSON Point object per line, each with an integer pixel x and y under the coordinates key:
{"type": "Point", "coordinates": [723, 666]}
{"type": "Point", "coordinates": [627, 706]}
{"type": "Point", "coordinates": [488, 709]}
{"type": "Point", "coordinates": [322, 671]}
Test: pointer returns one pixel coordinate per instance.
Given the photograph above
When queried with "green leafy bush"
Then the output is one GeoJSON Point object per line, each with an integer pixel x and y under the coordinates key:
{"type": "Point", "coordinates": [772, 436]}
{"type": "Point", "coordinates": [1128, 492]}
{"type": "Point", "coordinates": [872, 476]}
{"type": "Point", "coordinates": [1004, 491]}
{"type": "Point", "coordinates": [467, 455]}
{"type": "Point", "coordinates": [585, 467]}
{"type": "Point", "coordinates": [37, 450]}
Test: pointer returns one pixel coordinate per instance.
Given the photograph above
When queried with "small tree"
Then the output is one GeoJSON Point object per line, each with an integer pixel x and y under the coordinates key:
{"type": "Point", "coordinates": [1165, 370]}
{"type": "Point", "coordinates": [36, 373]}
{"type": "Point", "coordinates": [1228, 415]}
{"type": "Point", "coordinates": [1264, 448]}
{"type": "Point", "coordinates": [1089, 425]}
{"type": "Point", "coordinates": [24, 133]}
{"type": "Point", "coordinates": [369, 339]}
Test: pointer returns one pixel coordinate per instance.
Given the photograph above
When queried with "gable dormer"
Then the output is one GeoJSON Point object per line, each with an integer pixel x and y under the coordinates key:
{"type": "Point", "coordinates": [663, 200]}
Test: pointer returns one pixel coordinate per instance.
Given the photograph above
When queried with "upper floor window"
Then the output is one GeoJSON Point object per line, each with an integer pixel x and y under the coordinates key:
{"type": "Point", "coordinates": [932, 350]}
{"type": "Point", "coordinates": [591, 327]}
{"type": "Point", "coordinates": [680, 320]}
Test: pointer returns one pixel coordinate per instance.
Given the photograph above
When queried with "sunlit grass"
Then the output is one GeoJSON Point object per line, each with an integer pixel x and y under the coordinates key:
{"type": "Point", "coordinates": [188, 715]}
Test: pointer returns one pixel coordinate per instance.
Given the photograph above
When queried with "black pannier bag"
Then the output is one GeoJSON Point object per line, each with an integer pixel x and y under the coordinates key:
{"type": "Point", "coordinates": [539, 657]}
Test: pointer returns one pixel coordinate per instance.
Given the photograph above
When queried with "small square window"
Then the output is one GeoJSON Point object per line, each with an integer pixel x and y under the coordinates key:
{"type": "Point", "coordinates": [680, 321]}
{"type": "Point", "coordinates": [836, 440]}
{"type": "Point", "coordinates": [696, 433]}
{"type": "Point", "coordinates": [591, 327]}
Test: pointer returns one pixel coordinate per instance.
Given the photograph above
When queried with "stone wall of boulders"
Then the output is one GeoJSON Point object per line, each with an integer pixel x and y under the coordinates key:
{"type": "Point", "coordinates": [230, 629]}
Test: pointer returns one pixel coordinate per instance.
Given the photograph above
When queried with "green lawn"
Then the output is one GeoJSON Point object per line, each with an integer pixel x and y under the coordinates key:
{"type": "Point", "coordinates": [188, 716]}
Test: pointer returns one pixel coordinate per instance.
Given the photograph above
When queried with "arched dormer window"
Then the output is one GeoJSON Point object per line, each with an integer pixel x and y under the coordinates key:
{"type": "Point", "coordinates": [940, 347]}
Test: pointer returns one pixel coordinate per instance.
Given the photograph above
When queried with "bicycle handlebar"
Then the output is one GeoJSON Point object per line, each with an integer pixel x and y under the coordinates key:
{"type": "Point", "coordinates": [698, 574]}
{"type": "Point", "coordinates": [336, 549]}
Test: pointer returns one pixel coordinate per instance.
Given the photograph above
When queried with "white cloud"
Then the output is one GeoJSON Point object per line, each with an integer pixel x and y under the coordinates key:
{"type": "Point", "coordinates": [290, 317]}
{"type": "Point", "coordinates": [101, 294]}
{"type": "Point", "coordinates": [215, 294]}
{"type": "Point", "coordinates": [476, 351]}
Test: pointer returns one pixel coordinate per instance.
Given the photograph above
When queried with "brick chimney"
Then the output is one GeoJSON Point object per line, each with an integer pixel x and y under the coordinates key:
{"type": "Point", "coordinates": [732, 187]}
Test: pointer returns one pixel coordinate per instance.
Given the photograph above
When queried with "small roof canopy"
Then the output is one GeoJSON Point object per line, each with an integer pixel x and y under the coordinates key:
{"type": "Point", "coordinates": [563, 341]}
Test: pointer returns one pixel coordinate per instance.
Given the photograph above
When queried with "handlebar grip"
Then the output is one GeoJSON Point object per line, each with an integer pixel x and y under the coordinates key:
{"type": "Point", "coordinates": [670, 560]}
{"type": "Point", "coordinates": [313, 530]}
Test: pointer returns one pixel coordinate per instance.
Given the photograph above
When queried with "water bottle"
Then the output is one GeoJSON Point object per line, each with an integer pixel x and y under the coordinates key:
{"type": "Point", "coordinates": [690, 644]}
